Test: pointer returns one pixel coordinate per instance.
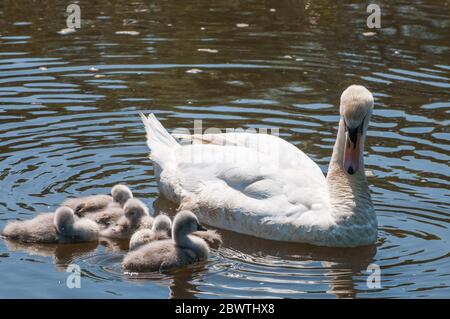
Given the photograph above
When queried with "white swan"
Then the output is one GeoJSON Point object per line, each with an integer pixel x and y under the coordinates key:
{"type": "Point", "coordinates": [270, 188]}
{"type": "Point", "coordinates": [183, 249]}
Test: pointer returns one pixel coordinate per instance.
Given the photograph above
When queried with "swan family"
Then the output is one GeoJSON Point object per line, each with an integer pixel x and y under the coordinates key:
{"type": "Point", "coordinates": [255, 184]}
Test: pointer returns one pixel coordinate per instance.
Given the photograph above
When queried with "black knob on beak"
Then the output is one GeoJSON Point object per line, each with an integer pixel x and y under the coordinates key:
{"type": "Point", "coordinates": [353, 135]}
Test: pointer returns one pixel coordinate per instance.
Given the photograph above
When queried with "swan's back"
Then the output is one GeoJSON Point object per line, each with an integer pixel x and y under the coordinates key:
{"type": "Point", "coordinates": [257, 176]}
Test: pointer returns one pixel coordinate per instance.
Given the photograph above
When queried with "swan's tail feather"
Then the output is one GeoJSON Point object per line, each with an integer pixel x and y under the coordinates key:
{"type": "Point", "coordinates": [159, 140]}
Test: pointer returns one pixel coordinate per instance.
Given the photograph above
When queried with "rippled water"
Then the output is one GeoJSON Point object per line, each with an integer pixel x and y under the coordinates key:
{"type": "Point", "coordinates": [69, 125]}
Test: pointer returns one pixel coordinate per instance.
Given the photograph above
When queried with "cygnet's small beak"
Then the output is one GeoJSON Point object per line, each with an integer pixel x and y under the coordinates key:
{"type": "Point", "coordinates": [201, 228]}
{"type": "Point", "coordinates": [352, 150]}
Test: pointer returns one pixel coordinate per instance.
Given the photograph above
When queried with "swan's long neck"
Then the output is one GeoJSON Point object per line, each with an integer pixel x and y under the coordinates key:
{"type": "Point", "coordinates": [65, 227]}
{"type": "Point", "coordinates": [349, 194]}
{"type": "Point", "coordinates": [185, 240]}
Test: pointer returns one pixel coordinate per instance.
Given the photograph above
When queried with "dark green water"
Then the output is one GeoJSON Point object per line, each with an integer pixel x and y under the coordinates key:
{"type": "Point", "coordinates": [69, 125]}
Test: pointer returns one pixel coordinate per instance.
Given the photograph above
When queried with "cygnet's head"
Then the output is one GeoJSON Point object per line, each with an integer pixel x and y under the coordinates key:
{"type": "Point", "coordinates": [356, 108]}
{"type": "Point", "coordinates": [184, 223]}
{"type": "Point", "coordinates": [121, 194]}
{"type": "Point", "coordinates": [64, 219]}
{"type": "Point", "coordinates": [135, 210]}
{"type": "Point", "coordinates": [162, 222]}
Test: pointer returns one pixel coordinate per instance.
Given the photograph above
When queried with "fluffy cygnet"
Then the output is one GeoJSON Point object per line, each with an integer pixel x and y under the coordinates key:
{"type": "Point", "coordinates": [211, 237]}
{"type": "Point", "coordinates": [181, 250]}
{"type": "Point", "coordinates": [136, 216]}
{"type": "Point", "coordinates": [59, 227]}
{"type": "Point", "coordinates": [82, 205]}
{"type": "Point", "coordinates": [107, 216]}
{"type": "Point", "coordinates": [161, 229]}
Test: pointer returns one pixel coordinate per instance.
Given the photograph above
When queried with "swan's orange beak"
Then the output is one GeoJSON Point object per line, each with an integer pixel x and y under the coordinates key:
{"type": "Point", "coordinates": [352, 150]}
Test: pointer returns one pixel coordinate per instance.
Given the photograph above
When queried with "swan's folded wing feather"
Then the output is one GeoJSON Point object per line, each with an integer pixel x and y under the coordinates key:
{"type": "Point", "coordinates": [267, 144]}
{"type": "Point", "coordinates": [217, 139]}
{"type": "Point", "coordinates": [245, 179]}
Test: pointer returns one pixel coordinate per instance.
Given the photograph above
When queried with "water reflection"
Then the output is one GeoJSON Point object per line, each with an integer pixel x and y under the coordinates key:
{"type": "Point", "coordinates": [62, 255]}
{"type": "Point", "coordinates": [182, 284]}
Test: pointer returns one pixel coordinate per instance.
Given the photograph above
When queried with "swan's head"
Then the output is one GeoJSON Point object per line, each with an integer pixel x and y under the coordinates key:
{"type": "Point", "coordinates": [64, 219]}
{"type": "Point", "coordinates": [162, 223]}
{"type": "Point", "coordinates": [184, 223]}
{"type": "Point", "coordinates": [356, 109]}
{"type": "Point", "coordinates": [135, 210]}
{"type": "Point", "coordinates": [121, 194]}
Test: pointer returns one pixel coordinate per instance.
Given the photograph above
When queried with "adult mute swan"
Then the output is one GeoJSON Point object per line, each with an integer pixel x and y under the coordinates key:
{"type": "Point", "coordinates": [261, 185]}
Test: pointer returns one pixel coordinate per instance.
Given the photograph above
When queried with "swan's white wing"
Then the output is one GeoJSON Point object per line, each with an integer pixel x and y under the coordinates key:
{"type": "Point", "coordinates": [287, 153]}
{"type": "Point", "coordinates": [254, 184]}
{"type": "Point", "coordinates": [279, 180]}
